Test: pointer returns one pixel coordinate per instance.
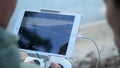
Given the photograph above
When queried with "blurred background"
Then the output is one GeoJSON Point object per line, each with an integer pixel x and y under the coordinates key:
{"type": "Point", "coordinates": [91, 10]}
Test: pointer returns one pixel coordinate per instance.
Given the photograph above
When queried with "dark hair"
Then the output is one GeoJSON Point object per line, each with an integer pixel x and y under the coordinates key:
{"type": "Point", "coordinates": [117, 3]}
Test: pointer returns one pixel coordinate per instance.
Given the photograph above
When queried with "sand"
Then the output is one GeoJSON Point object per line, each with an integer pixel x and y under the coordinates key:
{"type": "Point", "coordinates": [85, 51]}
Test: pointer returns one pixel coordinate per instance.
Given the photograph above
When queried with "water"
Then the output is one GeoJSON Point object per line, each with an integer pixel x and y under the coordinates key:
{"type": "Point", "coordinates": [91, 10]}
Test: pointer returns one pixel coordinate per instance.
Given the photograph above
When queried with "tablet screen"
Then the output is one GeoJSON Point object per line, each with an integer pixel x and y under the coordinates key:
{"type": "Point", "coordinates": [45, 32]}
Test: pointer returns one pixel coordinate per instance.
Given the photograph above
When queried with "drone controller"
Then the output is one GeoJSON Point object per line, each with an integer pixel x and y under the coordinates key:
{"type": "Point", "coordinates": [61, 61]}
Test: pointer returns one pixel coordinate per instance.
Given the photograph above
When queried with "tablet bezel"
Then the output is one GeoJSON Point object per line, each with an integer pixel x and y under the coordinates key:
{"type": "Point", "coordinates": [72, 38]}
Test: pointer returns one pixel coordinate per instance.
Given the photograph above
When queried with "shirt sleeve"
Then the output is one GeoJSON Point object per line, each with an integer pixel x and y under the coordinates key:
{"type": "Point", "coordinates": [9, 56]}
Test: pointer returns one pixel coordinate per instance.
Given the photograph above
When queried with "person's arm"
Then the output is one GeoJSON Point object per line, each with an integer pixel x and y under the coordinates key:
{"type": "Point", "coordinates": [9, 57]}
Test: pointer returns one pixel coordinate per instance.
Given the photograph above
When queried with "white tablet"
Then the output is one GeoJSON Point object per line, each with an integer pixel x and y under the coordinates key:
{"type": "Point", "coordinates": [47, 33]}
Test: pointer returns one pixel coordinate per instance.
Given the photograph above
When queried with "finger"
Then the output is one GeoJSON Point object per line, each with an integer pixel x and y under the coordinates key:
{"type": "Point", "coordinates": [55, 65]}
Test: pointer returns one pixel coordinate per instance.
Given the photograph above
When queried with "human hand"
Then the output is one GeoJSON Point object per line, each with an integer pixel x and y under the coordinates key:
{"type": "Point", "coordinates": [55, 65]}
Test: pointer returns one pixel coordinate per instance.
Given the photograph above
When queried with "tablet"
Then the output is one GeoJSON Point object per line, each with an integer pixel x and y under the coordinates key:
{"type": "Point", "coordinates": [47, 33]}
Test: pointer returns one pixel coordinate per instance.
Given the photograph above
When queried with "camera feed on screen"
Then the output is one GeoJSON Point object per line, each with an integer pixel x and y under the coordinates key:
{"type": "Point", "coordinates": [45, 32]}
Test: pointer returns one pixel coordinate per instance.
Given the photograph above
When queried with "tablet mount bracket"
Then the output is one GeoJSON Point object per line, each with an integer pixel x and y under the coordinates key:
{"type": "Point", "coordinates": [46, 59]}
{"type": "Point", "coordinates": [50, 11]}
